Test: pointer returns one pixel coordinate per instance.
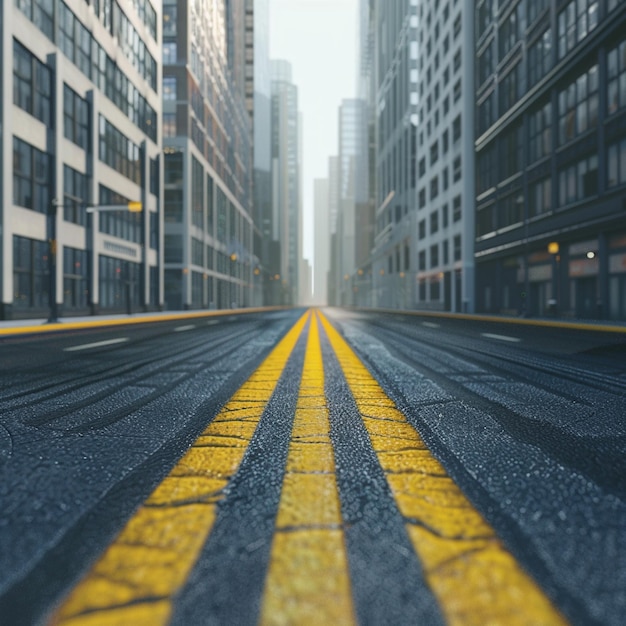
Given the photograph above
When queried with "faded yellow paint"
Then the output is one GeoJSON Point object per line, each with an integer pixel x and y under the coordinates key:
{"type": "Point", "coordinates": [308, 580]}
{"type": "Point", "coordinates": [475, 579]}
{"type": "Point", "coordinates": [136, 578]}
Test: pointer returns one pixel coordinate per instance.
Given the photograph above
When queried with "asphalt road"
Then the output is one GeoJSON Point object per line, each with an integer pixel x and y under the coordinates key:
{"type": "Point", "coordinates": [290, 467]}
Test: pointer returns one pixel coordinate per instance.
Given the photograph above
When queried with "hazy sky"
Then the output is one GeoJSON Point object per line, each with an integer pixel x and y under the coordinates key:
{"type": "Point", "coordinates": [318, 37]}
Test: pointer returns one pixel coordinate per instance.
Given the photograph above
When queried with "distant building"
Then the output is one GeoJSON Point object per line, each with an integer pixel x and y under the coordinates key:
{"type": "Point", "coordinates": [80, 113]}
{"type": "Point", "coordinates": [551, 158]}
{"type": "Point", "coordinates": [207, 128]}
{"type": "Point", "coordinates": [353, 195]}
{"type": "Point", "coordinates": [262, 111]}
{"type": "Point", "coordinates": [321, 240]}
{"type": "Point", "coordinates": [285, 226]}
{"type": "Point", "coordinates": [333, 212]}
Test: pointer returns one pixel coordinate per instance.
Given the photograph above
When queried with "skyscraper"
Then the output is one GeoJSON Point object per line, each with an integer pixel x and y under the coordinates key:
{"type": "Point", "coordinates": [209, 256]}
{"type": "Point", "coordinates": [322, 240]}
{"type": "Point", "coordinates": [395, 55]}
{"type": "Point", "coordinates": [80, 119]}
{"type": "Point", "coordinates": [551, 157]}
{"type": "Point", "coordinates": [444, 179]}
{"type": "Point", "coordinates": [285, 253]}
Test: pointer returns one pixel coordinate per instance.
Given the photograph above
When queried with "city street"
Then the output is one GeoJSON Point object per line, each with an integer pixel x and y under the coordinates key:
{"type": "Point", "coordinates": [327, 466]}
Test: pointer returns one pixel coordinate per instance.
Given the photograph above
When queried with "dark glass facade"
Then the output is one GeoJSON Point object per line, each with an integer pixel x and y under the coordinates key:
{"type": "Point", "coordinates": [551, 158]}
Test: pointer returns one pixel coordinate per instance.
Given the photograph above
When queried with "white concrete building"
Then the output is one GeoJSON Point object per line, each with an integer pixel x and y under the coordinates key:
{"type": "Point", "coordinates": [80, 116]}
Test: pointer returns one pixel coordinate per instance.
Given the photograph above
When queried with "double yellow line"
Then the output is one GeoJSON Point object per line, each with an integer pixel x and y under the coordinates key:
{"type": "Point", "coordinates": [470, 572]}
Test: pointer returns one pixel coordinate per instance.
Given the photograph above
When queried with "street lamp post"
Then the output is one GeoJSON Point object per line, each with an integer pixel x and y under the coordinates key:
{"type": "Point", "coordinates": [53, 316]}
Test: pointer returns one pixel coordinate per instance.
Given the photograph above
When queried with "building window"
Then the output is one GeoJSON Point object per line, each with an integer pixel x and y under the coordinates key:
{"type": "Point", "coordinates": [30, 273]}
{"type": "Point", "coordinates": [169, 124]}
{"type": "Point", "coordinates": [485, 16]}
{"type": "Point", "coordinates": [169, 88]}
{"type": "Point", "coordinates": [434, 222]}
{"type": "Point", "coordinates": [511, 152]}
{"type": "Point", "coordinates": [75, 197]}
{"type": "Point", "coordinates": [457, 247]}
{"type": "Point", "coordinates": [511, 88]}
{"type": "Point", "coordinates": [445, 179]}
{"type": "Point", "coordinates": [535, 8]}
{"type": "Point", "coordinates": [197, 193]}
{"type": "Point", "coordinates": [74, 278]}
{"type": "Point", "coordinates": [115, 277]}
{"type": "Point", "coordinates": [456, 91]}
{"type": "Point", "coordinates": [170, 26]}
{"type": "Point", "coordinates": [173, 205]}
{"type": "Point", "coordinates": [32, 84]}
{"type": "Point", "coordinates": [169, 53]}
{"type": "Point", "coordinates": [122, 224]}
{"type": "Point", "coordinates": [540, 58]}
{"type": "Point", "coordinates": [422, 229]}
{"type": "Point", "coordinates": [422, 166]}
{"type": "Point", "coordinates": [434, 255]}
{"type": "Point", "coordinates": [616, 61]}
{"type": "Point", "coordinates": [487, 168]}
{"type": "Point", "coordinates": [617, 163]}
{"type": "Point", "coordinates": [578, 106]}
{"type": "Point", "coordinates": [540, 197]}
{"type": "Point", "coordinates": [31, 177]}
{"type": "Point", "coordinates": [487, 112]}
{"type": "Point", "coordinates": [434, 187]}
{"type": "Point", "coordinates": [541, 133]}
{"type": "Point", "coordinates": [422, 198]}
{"type": "Point", "coordinates": [40, 13]}
{"type": "Point", "coordinates": [575, 22]}
{"type": "Point", "coordinates": [75, 118]}
{"type": "Point", "coordinates": [456, 169]}
{"type": "Point", "coordinates": [456, 129]}
{"type": "Point", "coordinates": [118, 152]}
{"type": "Point", "coordinates": [509, 33]}
{"type": "Point", "coordinates": [578, 181]}
{"type": "Point", "coordinates": [434, 153]}
{"type": "Point", "coordinates": [173, 167]}
{"type": "Point", "coordinates": [421, 260]}
{"type": "Point", "coordinates": [486, 63]}
{"type": "Point", "coordinates": [456, 209]}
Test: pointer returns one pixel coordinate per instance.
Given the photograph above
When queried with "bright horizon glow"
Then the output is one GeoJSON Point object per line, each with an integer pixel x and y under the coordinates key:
{"type": "Point", "coordinates": [319, 39]}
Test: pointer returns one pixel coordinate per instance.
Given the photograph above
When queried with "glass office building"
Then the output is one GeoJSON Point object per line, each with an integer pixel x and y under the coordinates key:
{"type": "Point", "coordinates": [207, 145]}
{"type": "Point", "coordinates": [551, 158]}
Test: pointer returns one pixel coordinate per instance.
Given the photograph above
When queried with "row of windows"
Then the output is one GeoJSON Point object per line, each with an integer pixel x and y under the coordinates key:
{"type": "Point", "coordinates": [81, 48]}
{"type": "Point", "coordinates": [119, 152]}
{"type": "Point", "coordinates": [578, 106]}
{"type": "Point", "coordinates": [575, 22]}
{"type": "Point", "coordinates": [435, 259]}
{"type": "Point", "coordinates": [122, 224]}
{"type": "Point", "coordinates": [32, 84]}
{"type": "Point", "coordinates": [576, 182]}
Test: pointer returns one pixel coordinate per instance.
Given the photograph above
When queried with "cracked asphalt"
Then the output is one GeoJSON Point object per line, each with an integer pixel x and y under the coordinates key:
{"type": "Point", "coordinates": [294, 466]}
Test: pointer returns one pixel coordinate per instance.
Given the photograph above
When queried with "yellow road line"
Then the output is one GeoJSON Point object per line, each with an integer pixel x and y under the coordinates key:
{"type": "Point", "coordinates": [308, 580]}
{"type": "Point", "coordinates": [475, 579]}
{"type": "Point", "coordinates": [137, 576]}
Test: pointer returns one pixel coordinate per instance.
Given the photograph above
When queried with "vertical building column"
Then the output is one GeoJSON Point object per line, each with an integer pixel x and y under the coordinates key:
{"type": "Point", "coordinates": [468, 164]}
{"type": "Point", "coordinates": [6, 178]}
{"type": "Point", "coordinates": [92, 219]}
